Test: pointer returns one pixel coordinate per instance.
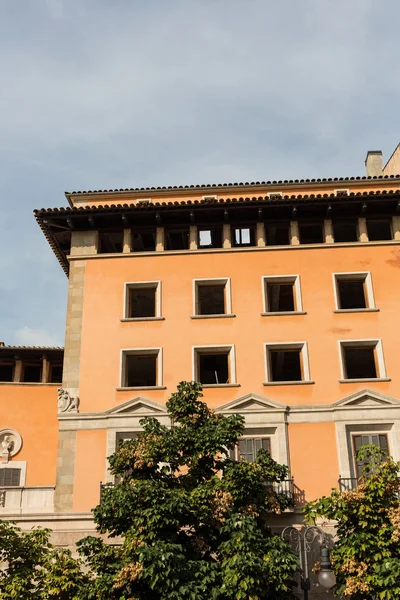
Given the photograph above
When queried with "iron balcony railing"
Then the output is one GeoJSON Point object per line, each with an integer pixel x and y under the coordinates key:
{"type": "Point", "coordinates": [347, 484]}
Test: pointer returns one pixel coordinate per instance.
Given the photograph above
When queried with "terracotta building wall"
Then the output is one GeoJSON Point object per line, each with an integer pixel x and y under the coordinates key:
{"type": "Point", "coordinates": [31, 410]}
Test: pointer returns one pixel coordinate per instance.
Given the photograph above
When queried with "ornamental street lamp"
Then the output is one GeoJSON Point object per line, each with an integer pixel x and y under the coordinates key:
{"type": "Point", "coordinates": [302, 541]}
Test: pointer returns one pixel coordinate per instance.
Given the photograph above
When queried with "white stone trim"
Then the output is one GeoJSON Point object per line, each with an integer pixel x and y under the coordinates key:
{"type": "Point", "coordinates": [302, 346]}
{"type": "Point", "coordinates": [229, 348]}
{"type": "Point", "coordinates": [376, 343]}
{"type": "Point", "coordinates": [364, 276]}
{"type": "Point", "coordinates": [16, 464]}
{"type": "Point", "coordinates": [225, 281]}
{"type": "Point", "coordinates": [132, 351]}
{"type": "Point", "coordinates": [140, 285]}
{"type": "Point", "coordinates": [293, 279]}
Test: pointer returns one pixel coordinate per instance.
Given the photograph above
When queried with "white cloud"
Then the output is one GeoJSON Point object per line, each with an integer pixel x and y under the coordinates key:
{"type": "Point", "coordinates": [26, 336]}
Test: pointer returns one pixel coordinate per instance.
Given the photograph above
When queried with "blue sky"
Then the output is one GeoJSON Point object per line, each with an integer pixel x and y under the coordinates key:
{"type": "Point", "coordinates": [124, 93]}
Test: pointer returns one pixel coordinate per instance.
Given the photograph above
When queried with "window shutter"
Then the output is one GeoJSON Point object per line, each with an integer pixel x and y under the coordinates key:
{"type": "Point", "coordinates": [10, 477]}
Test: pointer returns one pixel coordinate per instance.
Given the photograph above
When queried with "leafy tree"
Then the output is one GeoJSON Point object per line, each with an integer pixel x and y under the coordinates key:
{"type": "Point", "coordinates": [366, 556]}
{"type": "Point", "coordinates": [193, 522]}
{"type": "Point", "coordinates": [32, 568]}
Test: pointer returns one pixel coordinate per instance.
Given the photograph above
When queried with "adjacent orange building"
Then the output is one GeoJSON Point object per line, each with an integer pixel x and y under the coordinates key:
{"type": "Point", "coordinates": [281, 298]}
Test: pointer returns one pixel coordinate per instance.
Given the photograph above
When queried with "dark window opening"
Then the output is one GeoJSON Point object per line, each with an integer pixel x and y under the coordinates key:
{"type": "Point", "coordinates": [244, 236]}
{"type": "Point", "coordinates": [177, 239]}
{"type": "Point", "coordinates": [110, 242]}
{"type": "Point", "coordinates": [351, 293]}
{"type": "Point", "coordinates": [248, 448]}
{"type": "Point", "coordinates": [285, 365]}
{"type": "Point", "coordinates": [280, 297]}
{"type": "Point", "coordinates": [379, 229]}
{"type": "Point", "coordinates": [311, 233]}
{"type": "Point", "coordinates": [142, 302]}
{"type": "Point", "coordinates": [378, 439]}
{"type": "Point", "coordinates": [211, 299]}
{"type": "Point", "coordinates": [210, 238]}
{"type": "Point", "coordinates": [213, 368]}
{"type": "Point", "coordinates": [143, 241]}
{"type": "Point", "coordinates": [141, 370]}
{"type": "Point", "coordinates": [360, 362]}
{"type": "Point", "coordinates": [32, 373]}
{"type": "Point", "coordinates": [56, 372]}
{"type": "Point", "coordinates": [345, 231]}
{"type": "Point", "coordinates": [10, 477]}
{"type": "Point", "coordinates": [277, 235]}
{"type": "Point", "coordinates": [7, 372]}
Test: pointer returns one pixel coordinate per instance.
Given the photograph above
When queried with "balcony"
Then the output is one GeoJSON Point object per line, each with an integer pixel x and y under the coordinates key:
{"type": "Point", "coordinates": [26, 500]}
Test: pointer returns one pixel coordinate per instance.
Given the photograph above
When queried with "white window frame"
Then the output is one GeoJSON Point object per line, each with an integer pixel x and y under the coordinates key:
{"type": "Point", "coordinates": [217, 348]}
{"type": "Point", "coordinates": [364, 276]}
{"type": "Point", "coordinates": [226, 281]}
{"type": "Point", "coordinates": [137, 285]}
{"type": "Point", "coordinates": [158, 352]}
{"type": "Point", "coordinates": [253, 436]}
{"type": "Point", "coordinates": [302, 346]}
{"type": "Point", "coordinates": [295, 281]}
{"type": "Point", "coordinates": [375, 343]}
{"type": "Point", "coordinates": [16, 464]}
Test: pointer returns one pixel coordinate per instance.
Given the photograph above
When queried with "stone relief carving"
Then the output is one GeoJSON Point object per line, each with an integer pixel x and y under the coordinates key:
{"type": "Point", "coordinates": [66, 403]}
{"type": "Point", "coordinates": [10, 444]}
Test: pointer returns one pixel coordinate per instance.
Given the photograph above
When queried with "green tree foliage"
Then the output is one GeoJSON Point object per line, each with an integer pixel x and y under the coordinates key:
{"type": "Point", "coordinates": [33, 569]}
{"type": "Point", "coordinates": [366, 556]}
{"type": "Point", "coordinates": [193, 523]}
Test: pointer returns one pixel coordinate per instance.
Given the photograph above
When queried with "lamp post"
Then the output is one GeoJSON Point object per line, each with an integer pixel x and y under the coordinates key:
{"type": "Point", "coordinates": [302, 541]}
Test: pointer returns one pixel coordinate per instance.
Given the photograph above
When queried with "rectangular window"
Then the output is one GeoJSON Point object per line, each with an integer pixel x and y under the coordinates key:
{"type": "Point", "coordinates": [110, 242]}
{"type": "Point", "coordinates": [345, 231]}
{"type": "Point", "coordinates": [141, 368]}
{"type": "Point", "coordinates": [142, 300]}
{"type": "Point", "coordinates": [212, 297]}
{"type": "Point", "coordinates": [376, 439]}
{"type": "Point", "coordinates": [56, 372]}
{"type": "Point", "coordinates": [287, 362]}
{"type": "Point", "coordinates": [248, 448]}
{"type": "Point", "coordinates": [282, 294]}
{"type": "Point", "coordinates": [31, 373]}
{"type": "Point", "coordinates": [362, 359]}
{"type": "Point", "coordinates": [214, 365]}
{"type": "Point", "coordinates": [10, 477]}
{"type": "Point", "coordinates": [277, 235]}
{"type": "Point", "coordinates": [244, 236]}
{"type": "Point", "coordinates": [353, 291]}
{"type": "Point", "coordinates": [7, 372]}
{"type": "Point", "coordinates": [210, 237]}
{"type": "Point", "coordinates": [143, 241]}
{"type": "Point", "coordinates": [311, 233]}
{"type": "Point", "coordinates": [177, 239]}
{"type": "Point", "coordinates": [379, 229]}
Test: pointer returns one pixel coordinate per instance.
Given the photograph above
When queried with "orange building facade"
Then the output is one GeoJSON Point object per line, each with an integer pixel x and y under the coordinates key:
{"type": "Point", "coordinates": [281, 298]}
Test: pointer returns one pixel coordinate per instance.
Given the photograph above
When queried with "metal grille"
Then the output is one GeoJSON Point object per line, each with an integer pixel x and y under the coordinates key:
{"type": "Point", "coordinates": [10, 477]}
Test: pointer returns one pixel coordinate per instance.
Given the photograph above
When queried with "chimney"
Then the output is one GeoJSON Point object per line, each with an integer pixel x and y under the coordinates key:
{"type": "Point", "coordinates": [374, 163]}
{"type": "Point", "coordinates": [2, 344]}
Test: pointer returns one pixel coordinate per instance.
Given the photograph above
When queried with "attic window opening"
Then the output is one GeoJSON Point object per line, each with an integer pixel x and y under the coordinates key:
{"type": "Point", "coordinates": [31, 373]}
{"type": "Point", "coordinates": [56, 372]}
{"type": "Point", "coordinates": [143, 241]}
{"type": "Point", "coordinates": [177, 239]}
{"type": "Point", "coordinates": [311, 233]}
{"type": "Point", "coordinates": [379, 230]}
{"type": "Point", "coordinates": [277, 235]}
{"type": "Point", "coordinates": [244, 236]}
{"type": "Point", "coordinates": [110, 242]}
{"type": "Point", "coordinates": [345, 231]}
{"type": "Point", "coordinates": [210, 237]}
{"type": "Point", "coordinates": [6, 372]}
